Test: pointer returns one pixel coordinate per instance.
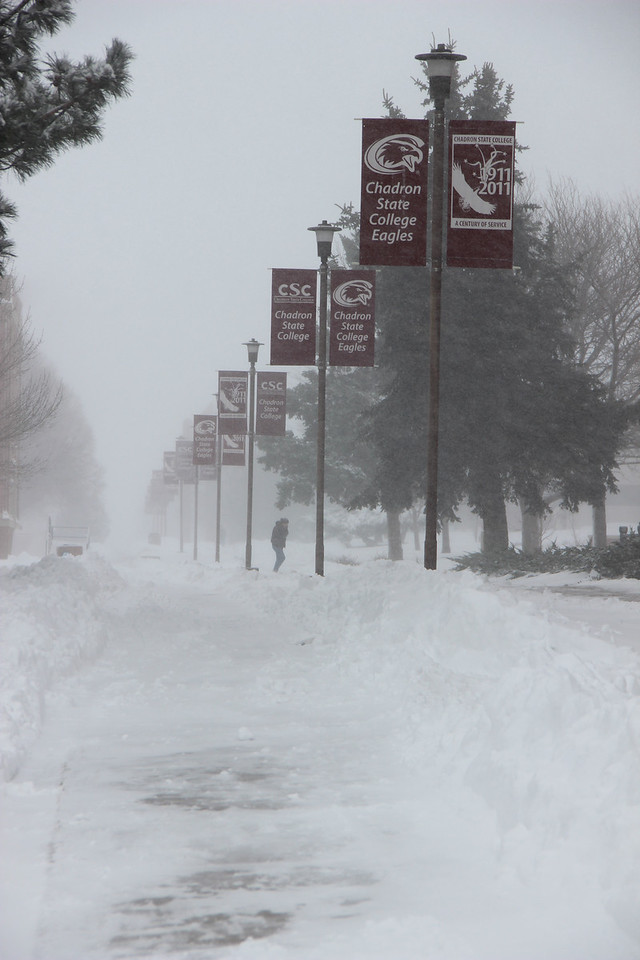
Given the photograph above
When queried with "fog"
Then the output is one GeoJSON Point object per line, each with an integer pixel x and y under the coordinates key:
{"type": "Point", "coordinates": [146, 257]}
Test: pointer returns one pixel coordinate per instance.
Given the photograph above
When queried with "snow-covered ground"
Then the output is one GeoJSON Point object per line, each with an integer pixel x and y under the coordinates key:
{"type": "Point", "coordinates": [384, 764]}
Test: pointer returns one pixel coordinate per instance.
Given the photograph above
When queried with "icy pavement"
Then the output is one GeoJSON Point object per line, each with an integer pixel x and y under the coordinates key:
{"type": "Point", "coordinates": [201, 799]}
{"type": "Point", "coordinates": [384, 765]}
{"type": "Point", "coordinates": [232, 849]}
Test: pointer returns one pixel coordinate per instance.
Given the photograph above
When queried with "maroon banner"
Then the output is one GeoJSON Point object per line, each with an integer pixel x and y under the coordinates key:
{"type": "Point", "coordinates": [169, 467]}
{"type": "Point", "coordinates": [232, 450]}
{"type": "Point", "coordinates": [393, 206]}
{"type": "Point", "coordinates": [271, 404]}
{"type": "Point", "coordinates": [293, 317]}
{"type": "Point", "coordinates": [352, 322]}
{"type": "Point", "coordinates": [204, 439]}
{"type": "Point", "coordinates": [185, 469]}
{"type": "Point", "coordinates": [232, 401]}
{"type": "Point", "coordinates": [481, 168]}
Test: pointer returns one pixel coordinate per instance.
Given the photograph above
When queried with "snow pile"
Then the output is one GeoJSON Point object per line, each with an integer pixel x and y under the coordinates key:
{"type": "Point", "coordinates": [517, 729]}
{"type": "Point", "coordinates": [491, 695]}
{"type": "Point", "coordinates": [51, 624]}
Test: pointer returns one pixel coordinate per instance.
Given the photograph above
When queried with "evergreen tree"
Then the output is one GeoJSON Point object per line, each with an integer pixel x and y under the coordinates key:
{"type": "Point", "coordinates": [348, 458]}
{"type": "Point", "coordinates": [48, 104]}
{"type": "Point", "coordinates": [516, 413]}
{"type": "Point", "coordinates": [518, 416]}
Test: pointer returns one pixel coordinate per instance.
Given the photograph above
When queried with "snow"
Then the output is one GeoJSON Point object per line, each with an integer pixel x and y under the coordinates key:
{"type": "Point", "coordinates": [385, 763]}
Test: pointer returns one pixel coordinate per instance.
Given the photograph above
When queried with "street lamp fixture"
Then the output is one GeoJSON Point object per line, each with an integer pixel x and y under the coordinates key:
{"type": "Point", "coordinates": [324, 236]}
{"type": "Point", "coordinates": [441, 62]}
{"type": "Point", "coordinates": [253, 348]}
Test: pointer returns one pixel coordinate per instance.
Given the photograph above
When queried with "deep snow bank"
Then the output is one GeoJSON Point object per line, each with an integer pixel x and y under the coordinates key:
{"type": "Point", "coordinates": [52, 622]}
{"type": "Point", "coordinates": [493, 702]}
{"type": "Point", "coordinates": [492, 695]}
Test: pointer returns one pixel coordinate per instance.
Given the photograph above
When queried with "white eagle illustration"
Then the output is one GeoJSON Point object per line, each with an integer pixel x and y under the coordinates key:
{"type": "Point", "coordinates": [227, 403]}
{"type": "Point", "coordinates": [469, 199]}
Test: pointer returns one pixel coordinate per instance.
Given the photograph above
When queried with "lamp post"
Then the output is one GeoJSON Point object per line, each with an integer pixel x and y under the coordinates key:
{"type": "Point", "coordinates": [324, 236]}
{"type": "Point", "coordinates": [441, 63]}
{"type": "Point", "coordinates": [253, 348]}
{"type": "Point", "coordinates": [196, 479]}
{"type": "Point", "coordinates": [218, 477]}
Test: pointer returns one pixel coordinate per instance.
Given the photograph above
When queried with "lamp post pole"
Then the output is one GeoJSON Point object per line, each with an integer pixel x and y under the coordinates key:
{"type": "Point", "coordinates": [324, 236]}
{"type": "Point", "coordinates": [440, 66]}
{"type": "Point", "coordinates": [253, 348]}
{"type": "Point", "coordinates": [195, 511]}
{"type": "Point", "coordinates": [218, 478]}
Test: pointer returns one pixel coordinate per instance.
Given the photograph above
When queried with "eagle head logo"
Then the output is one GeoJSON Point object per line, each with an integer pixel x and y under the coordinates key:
{"type": "Point", "coordinates": [205, 428]}
{"type": "Point", "coordinates": [352, 292]}
{"type": "Point", "coordinates": [393, 155]}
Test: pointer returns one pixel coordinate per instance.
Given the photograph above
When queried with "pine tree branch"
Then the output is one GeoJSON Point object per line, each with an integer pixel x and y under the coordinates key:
{"type": "Point", "coordinates": [15, 12]}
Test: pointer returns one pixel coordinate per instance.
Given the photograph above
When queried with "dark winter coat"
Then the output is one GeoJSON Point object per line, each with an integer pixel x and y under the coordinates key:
{"type": "Point", "coordinates": [279, 534]}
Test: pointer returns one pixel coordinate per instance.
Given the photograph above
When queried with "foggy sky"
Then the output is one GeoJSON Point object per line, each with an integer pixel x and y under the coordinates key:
{"type": "Point", "coordinates": [146, 257]}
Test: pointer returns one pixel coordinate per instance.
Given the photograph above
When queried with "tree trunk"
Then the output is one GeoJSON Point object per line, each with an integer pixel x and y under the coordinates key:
{"type": "Point", "coordinates": [600, 524]}
{"type": "Point", "coordinates": [415, 525]}
{"type": "Point", "coordinates": [494, 518]}
{"type": "Point", "coordinates": [394, 535]}
{"type": "Point", "coordinates": [6, 541]}
{"type": "Point", "coordinates": [446, 539]}
{"type": "Point", "coordinates": [531, 531]}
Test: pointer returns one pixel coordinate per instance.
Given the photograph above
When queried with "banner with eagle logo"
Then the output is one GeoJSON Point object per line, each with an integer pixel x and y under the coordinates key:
{"type": "Point", "coordinates": [481, 169]}
{"type": "Point", "coordinates": [205, 431]}
{"type": "Point", "coordinates": [169, 467]}
{"type": "Point", "coordinates": [232, 450]}
{"type": "Point", "coordinates": [393, 207]}
{"type": "Point", "coordinates": [232, 401]}
{"type": "Point", "coordinates": [352, 321]}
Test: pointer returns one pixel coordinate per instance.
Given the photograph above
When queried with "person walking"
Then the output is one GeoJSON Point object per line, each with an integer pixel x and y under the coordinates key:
{"type": "Point", "coordinates": [279, 541]}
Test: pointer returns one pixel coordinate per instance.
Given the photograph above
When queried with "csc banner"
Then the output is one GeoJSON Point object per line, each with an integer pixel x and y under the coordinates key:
{"type": "Point", "coordinates": [232, 401]}
{"type": "Point", "coordinates": [293, 317]}
{"type": "Point", "coordinates": [232, 450]}
{"type": "Point", "coordinates": [352, 329]}
{"type": "Point", "coordinates": [271, 404]}
{"type": "Point", "coordinates": [481, 166]}
{"type": "Point", "coordinates": [185, 469]}
{"type": "Point", "coordinates": [393, 206]}
{"type": "Point", "coordinates": [204, 439]}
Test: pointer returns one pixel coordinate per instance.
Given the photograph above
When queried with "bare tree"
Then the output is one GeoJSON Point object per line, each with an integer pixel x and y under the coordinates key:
{"type": "Point", "coordinates": [598, 242]}
{"type": "Point", "coordinates": [66, 481]}
{"type": "Point", "coordinates": [46, 445]}
{"type": "Point", "coordinates": [28, 399]}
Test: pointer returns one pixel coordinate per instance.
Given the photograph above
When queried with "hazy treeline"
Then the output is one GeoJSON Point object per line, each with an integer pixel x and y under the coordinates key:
{"type": "Point", "coordinates": [540, 367]}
